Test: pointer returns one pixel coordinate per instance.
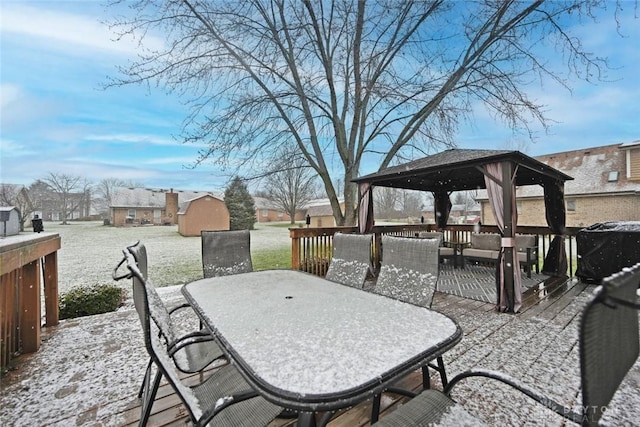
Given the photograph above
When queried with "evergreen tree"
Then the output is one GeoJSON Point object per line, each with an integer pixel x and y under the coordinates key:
{"type": "Point", "coordinates": [242, 210]}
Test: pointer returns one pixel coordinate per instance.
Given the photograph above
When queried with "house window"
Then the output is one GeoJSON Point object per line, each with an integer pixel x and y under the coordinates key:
{"type": "Point", "coordinates": [280, 214]}
{"type": "Point", "coordinates": [571, 205]}
{"type": "Point", "coordinates": [633, 164]}
{"type": "Point", "coordinates": [131, 213]}
{"type": "Point", "coordinates": [265, 212]}
{"type": "Point", "coordinates": [613, 176]}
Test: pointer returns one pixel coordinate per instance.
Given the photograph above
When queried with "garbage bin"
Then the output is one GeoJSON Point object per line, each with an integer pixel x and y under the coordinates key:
{"type": "Point", "coordinates": [606, 248]}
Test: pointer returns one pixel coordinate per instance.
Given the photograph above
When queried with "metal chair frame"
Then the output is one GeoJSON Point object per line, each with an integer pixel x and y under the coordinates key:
{"type": "Point", "coordinates": [223, 399]}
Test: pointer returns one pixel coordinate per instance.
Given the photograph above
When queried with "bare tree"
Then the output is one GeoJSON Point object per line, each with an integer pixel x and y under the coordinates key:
{"type": "Point", "coordinates": [71, 191]}
{"type": "Point", "coordinates": [386, 202]}
{"type": "Point", "coordinates": [344, 79]}
{"type": "Point", "coordinates": [292, 186]}
{"type": "Point", "coordinates": [18, 196]}
{"type": "Point", "coordinates": [105, 190]}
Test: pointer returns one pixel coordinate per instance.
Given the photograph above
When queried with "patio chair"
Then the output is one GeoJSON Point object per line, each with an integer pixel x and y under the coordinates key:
{"type": "Point", "coordinates": [409, 272]}
{"type": "Point", "coordinates": [223, 399]}
{"type": "Point", "coordinates": [192, 351]}
{"type": "Point", "coordinates": [226, 252]}
{"type": "Point", "coordinates": [609, 347]}
{"type": "Point", "coordinates": [351, 259]}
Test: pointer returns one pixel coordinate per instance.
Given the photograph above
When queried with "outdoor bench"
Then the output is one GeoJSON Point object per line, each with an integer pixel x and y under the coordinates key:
{"type": "Point", "coordinates": [485, 247]}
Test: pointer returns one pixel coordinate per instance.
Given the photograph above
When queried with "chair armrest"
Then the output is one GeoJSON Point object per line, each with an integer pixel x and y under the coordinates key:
{"type": "Point", "coordinates": [187, 340]}
{"type": "Point", "coordinates": [178, 307]}
{"type": "Point", "coordinates": [559, 409]}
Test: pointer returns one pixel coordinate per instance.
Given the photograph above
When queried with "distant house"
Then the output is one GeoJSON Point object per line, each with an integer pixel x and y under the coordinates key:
{"type": "Point", "coordinates": [267, 211]}
{"type": "Point", "coordinates": [9, 221]}
{"type": "Point", "coordinates": [321, 214]}
{"type": "Point", "coordinates": [139, 206]}
{"type": "Point", "coordinates": [204, 212]}
{"type": "Point", "coordinates": [606, 187]}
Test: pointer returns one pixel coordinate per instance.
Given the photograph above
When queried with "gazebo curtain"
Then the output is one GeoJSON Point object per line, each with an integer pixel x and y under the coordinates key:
{"type": "Point", "coordinates": [442, 208]}
{"type": "Point", "coordinates": [365, 211]}
{"type": "Point", "coordinates": [555, 263]}
{"type": "Point", "coordinates": [494, 182]}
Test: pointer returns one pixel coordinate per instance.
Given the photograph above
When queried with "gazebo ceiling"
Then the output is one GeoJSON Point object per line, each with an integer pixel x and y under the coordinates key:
{"type": "Point", "coordinates": [461, 169]}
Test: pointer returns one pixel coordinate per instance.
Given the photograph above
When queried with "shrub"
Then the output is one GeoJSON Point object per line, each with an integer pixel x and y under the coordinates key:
{"type": "Point", "coordinates": [88, 300]}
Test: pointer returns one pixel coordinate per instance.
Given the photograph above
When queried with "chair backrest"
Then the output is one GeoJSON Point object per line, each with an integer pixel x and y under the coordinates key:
{"type": "Point", "coordinates": [226, 252]}
{"type": "Point", "coordinates": [524, 241]}
{"type": "Point", "coordinates": [609, 340]}
{"type": "Point", "coordinates": [486, 241]}
{"type": "Point", "coordinates": [139, 252]}
{"type": "Point", "coordinates": [351, 259]}
{"type": "Point", "coordinates": [409, 269]}
{"type": "Point", "coordinates": [136, 255]}
{"type": "Point", "coordinates": [432, 235]}
{"type": "Point", "coordinates": [150, 307]}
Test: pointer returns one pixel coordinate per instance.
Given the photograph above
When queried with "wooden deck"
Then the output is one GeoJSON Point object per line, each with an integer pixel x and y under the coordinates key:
{"type": "Point", "coordinates": [550, 312]}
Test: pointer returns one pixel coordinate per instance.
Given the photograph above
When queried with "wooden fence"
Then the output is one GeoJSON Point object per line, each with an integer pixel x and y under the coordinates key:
{"type": "Point", "coordinates": [311, 247]}
{"type": "Point", "coordinates": [26, 261]}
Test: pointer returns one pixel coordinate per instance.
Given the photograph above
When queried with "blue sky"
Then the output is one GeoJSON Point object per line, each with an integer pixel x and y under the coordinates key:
{"type": "Point", "coordinates": [54, 57]}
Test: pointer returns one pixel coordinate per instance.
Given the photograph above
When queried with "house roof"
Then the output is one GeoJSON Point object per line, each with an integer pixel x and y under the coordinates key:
{"type": "Point", "coordinates": [184, 207]}
{"type": "Point", "coordinates": [320, 210]}
{"type": "Point", "coordinates": [590, 167]}
{"type": "Point", "coordinates": [460, 169]}
{"type": "Point", "coordinates": [151, 198]}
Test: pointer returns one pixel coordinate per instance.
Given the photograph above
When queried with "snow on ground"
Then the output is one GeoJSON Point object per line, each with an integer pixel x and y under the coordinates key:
{"type": "Point", "coordinates": [91, 250]}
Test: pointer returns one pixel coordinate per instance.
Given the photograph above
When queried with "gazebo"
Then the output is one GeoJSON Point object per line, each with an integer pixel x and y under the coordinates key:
{"type": "Point", "coordinates": [497, 171]}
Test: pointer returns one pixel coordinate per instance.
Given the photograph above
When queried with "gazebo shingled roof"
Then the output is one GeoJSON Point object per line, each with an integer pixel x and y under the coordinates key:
{"type": "Point", "coordinates": [459, 170]}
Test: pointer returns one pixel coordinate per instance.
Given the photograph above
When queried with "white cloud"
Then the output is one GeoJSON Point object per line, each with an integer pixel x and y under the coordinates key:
{"type": "Point", "coordinates": [129, 138]}
{"type": "Point", "coordinates": [65, 31]}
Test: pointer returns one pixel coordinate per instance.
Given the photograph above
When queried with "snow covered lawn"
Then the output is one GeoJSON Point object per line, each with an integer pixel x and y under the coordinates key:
{"type": "Point", "coordinates": [91, 250]}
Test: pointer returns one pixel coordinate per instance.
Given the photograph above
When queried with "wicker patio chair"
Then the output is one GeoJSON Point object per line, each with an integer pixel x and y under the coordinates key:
{"type": "Point", "coordinates": [409, 272]}
{"type": "Point", "coordinates": [193, 351]}
{"type": "Point", "coordinates": [351, 259]}
{"type": "Point", "coordinates": [609, 347]}
{"type": "Point", "coordinates": [226, 252]}
{"type": "Point", "coordinates": [223, 399]}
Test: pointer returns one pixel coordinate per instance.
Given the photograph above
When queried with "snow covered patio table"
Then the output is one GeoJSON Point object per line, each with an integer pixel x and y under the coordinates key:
{"type": "Point", "coordinates": [312, 345]}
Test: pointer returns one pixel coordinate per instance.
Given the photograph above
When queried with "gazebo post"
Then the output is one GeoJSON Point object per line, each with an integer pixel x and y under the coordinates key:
{"type": "Point", "coordinates": [509, 235]}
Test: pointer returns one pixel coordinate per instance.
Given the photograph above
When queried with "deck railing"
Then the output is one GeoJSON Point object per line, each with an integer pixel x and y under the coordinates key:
{"type": "Point", "coordinates": [26, 261]}
{"type": "Point", "coordinates": [311, 247]}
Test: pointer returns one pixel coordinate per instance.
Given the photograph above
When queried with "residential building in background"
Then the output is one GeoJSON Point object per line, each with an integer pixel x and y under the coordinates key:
{"type": "Point", "coordinates": [606, 187]}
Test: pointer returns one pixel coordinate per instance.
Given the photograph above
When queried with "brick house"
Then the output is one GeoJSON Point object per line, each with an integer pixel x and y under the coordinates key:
{"type": "Point", "coordinates": [266, 211]}
{"type": "Point", "coordinates": [606, 187]}
{"type": "Point", "coordinates": [137, 206]}
{"type": "Point", "coordinates": [204, 212]}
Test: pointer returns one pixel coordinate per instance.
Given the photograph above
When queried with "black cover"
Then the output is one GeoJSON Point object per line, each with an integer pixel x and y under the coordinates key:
{"type": "Point", "coordinates": [606, 248]}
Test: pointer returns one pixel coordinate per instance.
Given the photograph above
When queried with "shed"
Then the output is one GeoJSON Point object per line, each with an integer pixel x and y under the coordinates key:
{"type": "Point", "coordinates": [205, 212]}
{"type": "Point", "coordinates": [9, 221]}
{"type": "Point", "coordinates": [499, 171]}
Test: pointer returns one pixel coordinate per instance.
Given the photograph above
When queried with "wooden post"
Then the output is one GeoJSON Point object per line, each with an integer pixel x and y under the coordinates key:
{"type": "Point", "coordinates": [50, 275]}
{"type": "Point", "coordinates": [30, 307]}
{"type": "Point", "coordinates": [295, 251]}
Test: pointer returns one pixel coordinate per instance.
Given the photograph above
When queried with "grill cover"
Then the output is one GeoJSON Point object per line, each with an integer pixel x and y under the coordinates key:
{"type": "Point", "coordinates": [606, 248]}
